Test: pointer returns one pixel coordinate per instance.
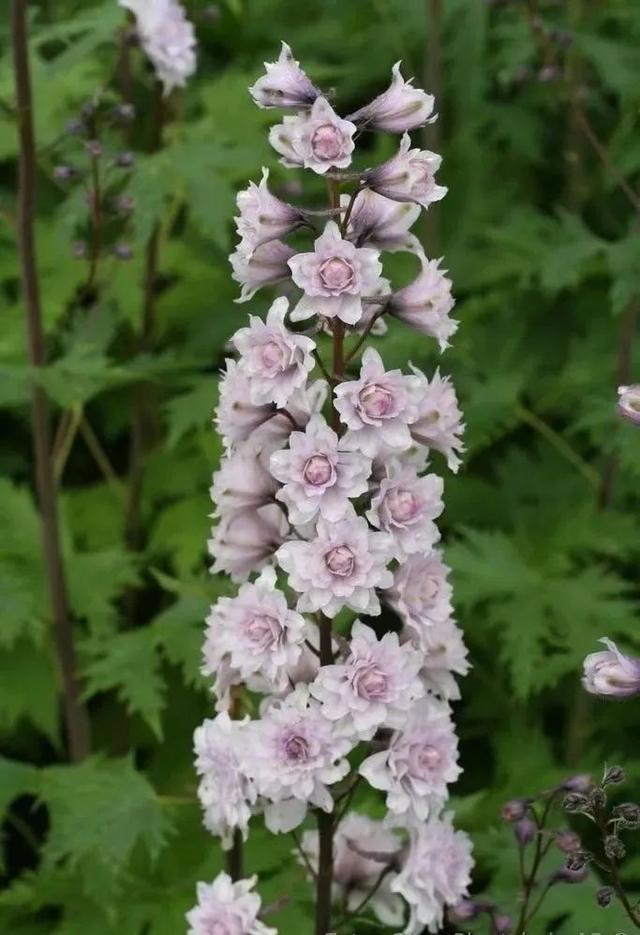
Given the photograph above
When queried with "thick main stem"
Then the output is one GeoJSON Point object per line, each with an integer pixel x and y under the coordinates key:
{"type": "Point", "coordinates": [76, 718]}
{"type": "Point", "coordinates": [324, 878]}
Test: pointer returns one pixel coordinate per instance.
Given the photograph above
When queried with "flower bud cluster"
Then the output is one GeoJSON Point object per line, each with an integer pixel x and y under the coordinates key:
{"type": "Point", "coordinates": [325, 508]}
{"type": "Point", "coordinates": [90, 155]}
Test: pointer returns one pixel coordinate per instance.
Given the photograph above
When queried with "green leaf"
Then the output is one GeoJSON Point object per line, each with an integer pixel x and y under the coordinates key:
{"type": "Point", "coordinates": [128, 663]}
{"type": "Point", "coordinates": [192, 409]}
{"type": "Point", "coordinates": [100, 811]}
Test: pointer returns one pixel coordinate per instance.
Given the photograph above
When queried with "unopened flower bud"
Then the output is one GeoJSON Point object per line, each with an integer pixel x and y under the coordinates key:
{"type": "Point", "coordinates": [574, 802]}
{"type": "Point", "coordinates": [565, 875]}
{"type": "Point", "coordinates": [94, 148]}
{"type": "Point", "coordinates": [398, 109]}
{"type": "Point", "coordinates": [65, 173]}
{"type": "Point", "coordinates": [561, 37]}
{"type": "Point", "coordinates": [124, 160]}
{"type": "Point", "coordinates": [124, 112]}
{"type": "Point", "coordinates": [502, 925]}
{"type": "Point", "coordinates": [613, 775]}
{"type": "Point", "coordinates": [88, 109]}
{"type": "Point", "coordinates": [514, 809]}
{"type": "Point", "coordinates": [284, 85]}
{"type": "Point", "coordinates": [464, 911]}
{"type": "Point", "coordinates": [577, 860]}
{"type": "Point", "coordinates": [582, 782]}
{"type": "Point", "coordinates": [597, 798]}
{"type": "Point", "coordinates": [79, 250]}
{"type": "Point", "coordinates": [630, 814]}
{"type": "Point", "coordinates": [629, 402]}
{"type": "Point", "coordinates": [123, 251]}
{"type": "Point", "coordinates": [123, 204]}
{"type": "Point", "coordinates": [522, 74]}
{"type": "Point", "coordinates": [548, 73]}
{"type": "Point", "coordinates": [567, 841]}
{"type": "Point", "coordinates": [75, 127]}
{"type": "Point", "coordinates": [525, 830]}
{"type": "Point", "coordinates": [614, 848]}
{"type": "Point", "coordinates": [604, 896]}
{"type": "Point", "coordinates": [610, 673]}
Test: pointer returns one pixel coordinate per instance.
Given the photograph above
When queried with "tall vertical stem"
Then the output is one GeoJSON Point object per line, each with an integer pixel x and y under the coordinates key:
{"type": "Point", "coordinates": [324, 877]}
{"type": "Point", "coordinates": [76, 718]}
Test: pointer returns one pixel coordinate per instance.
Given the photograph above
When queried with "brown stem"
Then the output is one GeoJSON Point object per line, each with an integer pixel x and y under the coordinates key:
{"type": "Point", "coordinates": [540, 850]}
{"type": "Point", "coordinates": [76, 718]}
{"type": "Point", "coordinates": [235, 857]}
{"type": "Point", "coordinates": [324, 877]}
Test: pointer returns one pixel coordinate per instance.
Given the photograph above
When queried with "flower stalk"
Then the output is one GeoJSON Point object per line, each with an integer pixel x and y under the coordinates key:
{"type": "Point", "coordinates": [76, 717]}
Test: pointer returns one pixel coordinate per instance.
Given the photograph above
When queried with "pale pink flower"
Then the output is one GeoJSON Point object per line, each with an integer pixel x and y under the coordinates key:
{"type": "Point", "coordinates": [284, 85]}
{"type": "Point", "coordinates": [398, 109]}
{"type": "Point", "coordinates": [334, 277]}
{"type": "Point", "coordinates": [444, 656]}
{"type": "Point", "coordinates": [267, 265]}
{"type": "Point", "coordinates": [377, 408]}
{"type": "Point", "coordinates": [318, 475]}
{"type": "Point", "coordinates": [254, 638]}
{"type": "Point", "coordinates": [611, 674]}
{"type": "Point", "coordinates": [275, 360]}
{"type": "Point", "coordinates": [421, 594]}
{"type": "Point", "coordinates": [408, 176]}
{"type": "Point", "coordinates": [297, 758]}
{"type": "Point", "coordinates": [226, 791]}
{"type": "Point", "coordinates": [341, 566]}
{"type": "Point", "coordinates": [381, 223]}
{"type": "Point", "coordinates": [436, 873]}
{"type": "Point", "coordinates": [629, 402]}
{"type": "Point", "coordinates": [243, 480]}
{"type": "Point", "coordinates": [374, 687]}
{"type": "Point", "coordinates": [406, 505]}
{"type": "Point", "coordinates": [419, 762]}
{"type": "Point", "coordinates": [246, 541]}
{"type": "Point", "coordinates": [168, 39]}
{"type": "Point", "coordinates": [227, 908]}
{"type": "Point", "coordinates": [437, 421]}
{"type": "Point", "coordinates": [319, 140]}
{"type": "Point", "coordinates": [354, 874]}
{"type": "Point", "coordinates": [426, 302]}
{"type": "Point", "coordinates": [236, 417]}
{"type": "Point", "coordinates": [263, 217]}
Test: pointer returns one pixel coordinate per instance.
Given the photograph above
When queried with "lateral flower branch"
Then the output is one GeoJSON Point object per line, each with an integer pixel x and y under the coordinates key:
{"type": "Point", "coordinates": [326, 506]}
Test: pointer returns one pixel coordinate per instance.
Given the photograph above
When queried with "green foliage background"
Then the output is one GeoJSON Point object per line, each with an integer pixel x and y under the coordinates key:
{"type": "Point", "coordinates": [543, 249]}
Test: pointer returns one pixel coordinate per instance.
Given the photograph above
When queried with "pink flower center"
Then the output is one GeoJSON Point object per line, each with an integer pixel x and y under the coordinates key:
{"type": "Point", "coordinates": [263, 630]}
{"type": "Point", "coordinates": [296, 748]}
{"type": "Point", "coordinates": [421, 173]}
{"type": "Point", "coordinates": [370, 682]}
{"type": "Point", "coordinates": [326, 142]}
{"type": "Point", "coordinates": [403, 506]}
{"type": "Point", "coordinates": [317, 470]}
{"type": "Point", "coordinates": [340, 561]}
{"type": "Point", "coordinates": [428, 757]}
{"type": "Point", "coordinates": [272, 355]}
{"type": "Point", "coordinates": [376, 401]}
{"type": "Point", "coordinates": [336, 274]}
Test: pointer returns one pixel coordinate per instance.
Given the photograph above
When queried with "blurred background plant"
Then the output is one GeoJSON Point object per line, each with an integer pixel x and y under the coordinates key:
{"type": "Point", "coordinates": [539, 131]}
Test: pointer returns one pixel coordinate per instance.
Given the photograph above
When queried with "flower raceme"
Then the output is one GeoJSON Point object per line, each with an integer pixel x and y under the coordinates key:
{"type": "Point", "coordinates": [326, 505]}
